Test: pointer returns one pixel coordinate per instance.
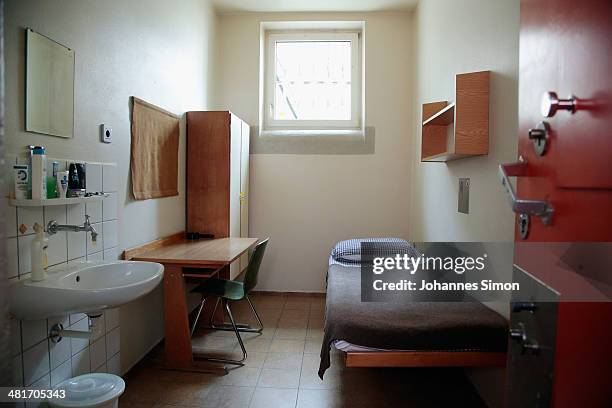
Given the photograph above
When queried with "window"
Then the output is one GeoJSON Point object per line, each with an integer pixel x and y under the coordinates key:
{"type": "Point", "coordinates": [312, 81]}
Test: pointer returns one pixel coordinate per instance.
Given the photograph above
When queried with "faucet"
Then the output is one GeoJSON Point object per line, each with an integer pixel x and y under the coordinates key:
{"type": "Point", "coordinates": [53, 227]}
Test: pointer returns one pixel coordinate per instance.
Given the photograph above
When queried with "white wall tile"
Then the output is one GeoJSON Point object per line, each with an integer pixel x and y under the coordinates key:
{"type": "Point", "coordinates": [112, 318]}
{"type": "Point", "coordinates": [35, 362]}
{"type": "Point", "coordinates": [97, 353]}
{"type": "Point", "coordinates": [12, 254]}
{"type": "Point", "coordinates": [98, 256]}
{"type": "Point", "coordinates": [28, 216]}
{"type": "Point", "coordinates": [79, 344]}
{"type": "Point", "coordinates": [113, 340]}
{"type": "Point", "coordinates": [99, 244]}
{"type": "Point", "coordinates": [17, 370]}
{"type": "Point", "coordinates": [57, 251]}
{"type": "Point", "coordinates": [59, 352]}
{"type": "Point", "coordinates": [101, 322]}
{"type": "Point", "coordinates": [77, 245]}
{"type": "Point", "coordinates": [15, 336]}
{"type": "Point", "coordinates": [55, 212]}
{"type": "Point", "coordinates": [11, 220]}
{"type": "Point", "coordinates": [111, 254]}
{"type": "Point", "coordinates": [113, 364]}
{"type": "Point", "coordinates": [61, 373]}
{"type": "Point", "coordinates": [101, 369]}
{"type": "Point", "coordinates": [94, 177]}
{"type": "Point", "coordinates": [77, 317]}
{"type": "Point", "coordinates": [109, 207]}
{"type": "Point", "coordinates": [94, 210]}
{"type": "Point", "coordinates": [110, 234]}
{"type": "Point", "coordinates": [80, 363]}
{"type": "Point", "coordinates": [75, 214]}
{"type": "Point", "coordinates": [33, 332]}
{"type": "Point", "coordinates": [57, 267]}
{"type": "Point", "coordinates": [24, 244]}
{"type": "Point", "coordinates": [76, 261]}
{"type": "Point", "coordinates": [109, 178]}
{"type": "Point", "coordinates": [44, 382]}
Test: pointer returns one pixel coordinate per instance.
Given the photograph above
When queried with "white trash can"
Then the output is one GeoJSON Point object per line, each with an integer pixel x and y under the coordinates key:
{"type": "Point", "coordinates": [99, 390]}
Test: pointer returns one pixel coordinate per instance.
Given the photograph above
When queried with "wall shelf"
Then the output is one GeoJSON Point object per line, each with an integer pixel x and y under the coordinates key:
{"type": "Point", "coordinates": [54, 201]}
{"type": "Point", "coordinates": [460, 129]}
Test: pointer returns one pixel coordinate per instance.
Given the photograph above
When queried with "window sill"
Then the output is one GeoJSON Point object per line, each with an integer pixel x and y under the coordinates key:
{"type": "Point", "coordinates": [338, 134]}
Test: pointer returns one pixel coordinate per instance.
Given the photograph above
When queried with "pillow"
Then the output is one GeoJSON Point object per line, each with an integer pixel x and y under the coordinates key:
{"type": "Point", "coordinates": [349, 251]}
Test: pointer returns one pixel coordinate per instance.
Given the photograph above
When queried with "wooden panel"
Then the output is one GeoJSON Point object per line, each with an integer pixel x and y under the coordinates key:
{"type": "Point", "coordinates": [203, 252]}
{"type": "Point", "coordinates": [130, 253]}
{"type": "Point", "coordinates": [425, 359]}
{"type": "Point", "coordinates": [443, 117]}
{"type": "Point", "coordinates": [208, 172]}
{"type": "Point", "coordinates": [433, 141]}
{"type": "Point", "coordinates": [472, 113]}
{"type": "Point", "coordinates": [430, 109]}
{"type": "Point", "coordinates": [244, 190]}
{"type": "Point", "coordinates": [176, 323]}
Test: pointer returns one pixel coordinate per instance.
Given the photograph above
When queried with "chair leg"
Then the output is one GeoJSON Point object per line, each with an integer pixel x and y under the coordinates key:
{"type": "Point", "coordinates": [244, 328]}
{"type": "Point", "coordinates": [195, 322]}
{"type": "Point", "coordinates": [235, 329]}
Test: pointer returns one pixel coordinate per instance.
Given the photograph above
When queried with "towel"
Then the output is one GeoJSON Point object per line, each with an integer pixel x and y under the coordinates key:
{"type": "Point", "coordinates": [154, 152]}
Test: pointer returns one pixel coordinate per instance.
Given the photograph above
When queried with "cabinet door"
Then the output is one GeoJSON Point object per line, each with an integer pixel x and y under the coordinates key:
{"type": "Point", "coordinates": [244, 190]}
{"type": "Point", "coordinates": [234, 198]}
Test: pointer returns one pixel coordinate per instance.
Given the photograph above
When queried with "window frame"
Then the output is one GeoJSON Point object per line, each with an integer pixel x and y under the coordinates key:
{"type": "Point", "coordinates": [269, 66]}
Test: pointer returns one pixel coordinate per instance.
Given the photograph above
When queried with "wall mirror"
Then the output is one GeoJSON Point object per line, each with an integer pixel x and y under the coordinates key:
{"type": "Point", "coordinates": [49, 86]}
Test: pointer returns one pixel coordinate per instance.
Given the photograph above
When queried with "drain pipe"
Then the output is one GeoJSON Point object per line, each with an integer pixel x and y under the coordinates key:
{"type": "Point", "coordinates": [57, 331]}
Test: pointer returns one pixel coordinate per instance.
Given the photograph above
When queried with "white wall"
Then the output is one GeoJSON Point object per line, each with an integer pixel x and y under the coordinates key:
{"type": "Point", "coordinates": [306, 203]}
{"type": "Point", "coordinates": [157, 50]}
{"type": "Point", "coordinates": [454, 37]}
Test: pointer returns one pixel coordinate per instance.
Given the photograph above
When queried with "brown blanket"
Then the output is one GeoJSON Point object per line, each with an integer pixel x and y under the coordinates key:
{"type": "Point", "coordinates": [413, 325]}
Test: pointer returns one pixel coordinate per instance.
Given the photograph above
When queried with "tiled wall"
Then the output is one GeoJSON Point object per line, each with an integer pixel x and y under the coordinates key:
{"type": "Point", "coordinates": [37, 360]}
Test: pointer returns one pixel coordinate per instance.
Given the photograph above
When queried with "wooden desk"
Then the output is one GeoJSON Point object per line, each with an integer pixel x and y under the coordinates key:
{"type": "Point", "coordinates": [212, 256]}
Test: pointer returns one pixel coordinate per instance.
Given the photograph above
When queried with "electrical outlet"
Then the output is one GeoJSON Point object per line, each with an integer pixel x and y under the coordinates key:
{"type": "Point", "coordinates": [463, 201]}
{"type": "Point", "coordinates": [106, 133]}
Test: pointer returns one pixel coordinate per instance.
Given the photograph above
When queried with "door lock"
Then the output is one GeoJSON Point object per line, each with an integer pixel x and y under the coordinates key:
{"type": "Point", "coordinates": [540, 137]}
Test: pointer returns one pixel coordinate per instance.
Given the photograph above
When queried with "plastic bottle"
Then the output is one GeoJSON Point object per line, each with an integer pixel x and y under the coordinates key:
{"type": "Point", "coordinates": [38, 254]}
{"type": "Point", "coordinates": [39, 173]}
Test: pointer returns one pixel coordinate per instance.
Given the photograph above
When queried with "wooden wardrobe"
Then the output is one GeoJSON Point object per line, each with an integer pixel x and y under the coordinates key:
{"type": "Point", "coordinates": [218, 177]}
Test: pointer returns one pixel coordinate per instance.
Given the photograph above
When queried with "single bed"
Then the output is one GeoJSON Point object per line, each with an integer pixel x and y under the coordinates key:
{"type": "Point", "coordinates": [410, 334]}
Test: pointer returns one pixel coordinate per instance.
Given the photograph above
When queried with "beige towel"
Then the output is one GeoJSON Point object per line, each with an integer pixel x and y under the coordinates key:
{"type": "Point", "coordinates": [154, 158]}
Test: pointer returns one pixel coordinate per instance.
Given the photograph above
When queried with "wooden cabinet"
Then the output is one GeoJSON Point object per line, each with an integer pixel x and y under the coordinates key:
{"type": "Point", "coordinates": [460, 129]}
{"type": "Point", "coordinates": [218, 177]}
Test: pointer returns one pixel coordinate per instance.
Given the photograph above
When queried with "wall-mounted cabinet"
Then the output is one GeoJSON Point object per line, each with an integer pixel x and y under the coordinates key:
{"type": "Point", "coordinates": [452, 131]}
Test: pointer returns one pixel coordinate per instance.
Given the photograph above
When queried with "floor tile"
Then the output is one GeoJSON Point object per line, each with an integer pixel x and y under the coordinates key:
{"type": "Point", "coordinates": [228, 397]}
{"type": "Point", "coordinates": [274, 397]}
{"type": "Point", "coordinates": [241, 376]}
{"type": "Point", "coordinates": [283, 360]}
{"type": "Point", "coordinates": [286, 346]}
{"type": "Point", "coordinates": [279, 378]}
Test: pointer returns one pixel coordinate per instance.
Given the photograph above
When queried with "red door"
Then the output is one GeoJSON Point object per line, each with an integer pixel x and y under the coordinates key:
{"type": "Point", "coordinates": [565, 143]}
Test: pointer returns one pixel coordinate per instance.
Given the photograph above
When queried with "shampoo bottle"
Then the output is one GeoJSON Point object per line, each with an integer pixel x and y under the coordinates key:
{"type": "Point", "coordinates": [38, 253]}
{"type": "Point", "coordinates": [39, 173]}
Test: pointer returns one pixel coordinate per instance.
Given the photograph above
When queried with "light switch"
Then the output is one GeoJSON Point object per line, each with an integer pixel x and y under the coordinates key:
{"type": "Point", "coordinates": [463, 202]}
{"type": "Point", "coordinates": [106, 133]}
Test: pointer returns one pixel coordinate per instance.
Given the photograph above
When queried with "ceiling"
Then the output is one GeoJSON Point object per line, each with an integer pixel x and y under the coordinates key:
{"type": "Point", "coordinates": [312, 5]}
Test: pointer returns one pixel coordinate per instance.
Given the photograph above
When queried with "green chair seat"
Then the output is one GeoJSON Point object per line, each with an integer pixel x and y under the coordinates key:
{"type": "Point", "coordinates": [227, 289]}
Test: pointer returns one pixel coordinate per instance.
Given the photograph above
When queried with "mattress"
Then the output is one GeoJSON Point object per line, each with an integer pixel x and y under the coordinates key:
{"type": "Point", "coordinates": [409, 326]}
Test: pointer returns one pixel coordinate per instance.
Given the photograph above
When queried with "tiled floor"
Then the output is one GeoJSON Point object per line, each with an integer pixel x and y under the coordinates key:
{"type": "Point", "coordinates": [281, 370]}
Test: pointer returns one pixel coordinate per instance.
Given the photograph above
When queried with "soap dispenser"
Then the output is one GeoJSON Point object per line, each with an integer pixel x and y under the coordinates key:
{"type": "Point", "coordinates": [38, 253]}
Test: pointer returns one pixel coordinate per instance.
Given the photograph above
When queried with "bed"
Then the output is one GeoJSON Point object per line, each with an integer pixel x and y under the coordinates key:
{"type": "Point", "coordinates": [410, 334]}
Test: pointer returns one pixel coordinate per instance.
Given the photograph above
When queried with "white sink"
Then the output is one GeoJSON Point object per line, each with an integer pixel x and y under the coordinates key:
{"type": "Point", "coordinates": [87, 287]}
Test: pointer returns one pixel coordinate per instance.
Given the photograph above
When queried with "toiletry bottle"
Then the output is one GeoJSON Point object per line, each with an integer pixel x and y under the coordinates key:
{"type": "Point", "coordinates": [39, 173]}
{"type": "Point", "coordinates": [21, 175]}
{"type": "Point", "coordinates": [38, 254]}
{"type": "Point", "coordinates": [52, 190]}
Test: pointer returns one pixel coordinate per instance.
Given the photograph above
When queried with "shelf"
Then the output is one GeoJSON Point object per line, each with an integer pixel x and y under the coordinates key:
{"type": "Point", "coordinates": [54, 201]}
{"type": "Point", "coordinates": [443, 117]}
{"type": "Point", "coordinates": [452, 131]}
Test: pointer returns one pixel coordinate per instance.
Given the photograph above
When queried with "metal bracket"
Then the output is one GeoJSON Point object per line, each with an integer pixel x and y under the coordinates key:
{"type": "Point", "coordinates": [540, 137]}
{"type": "Point", "coordinates": [537, 208]}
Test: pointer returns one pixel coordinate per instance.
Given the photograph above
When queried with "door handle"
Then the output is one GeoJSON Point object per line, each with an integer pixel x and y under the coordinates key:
{"type": "Point", "coordinates": [551, 104]}
{"type": "Point", "coordinates": [538, 208]}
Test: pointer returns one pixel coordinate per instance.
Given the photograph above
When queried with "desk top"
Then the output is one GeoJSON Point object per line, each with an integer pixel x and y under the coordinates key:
{"type": "Point", "coordinates": [220, 251]}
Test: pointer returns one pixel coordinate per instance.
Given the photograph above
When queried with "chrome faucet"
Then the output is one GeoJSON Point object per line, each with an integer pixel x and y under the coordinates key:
{"type": "Point", "coordinates": [53, 227]}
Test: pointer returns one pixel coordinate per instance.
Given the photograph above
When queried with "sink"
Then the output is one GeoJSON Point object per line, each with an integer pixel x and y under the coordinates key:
{"type": "Point", "coordinates": [86, 287]}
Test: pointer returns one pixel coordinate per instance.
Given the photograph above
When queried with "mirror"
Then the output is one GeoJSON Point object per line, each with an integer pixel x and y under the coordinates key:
{"type": "Point", "coordinates": [49, 86]}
